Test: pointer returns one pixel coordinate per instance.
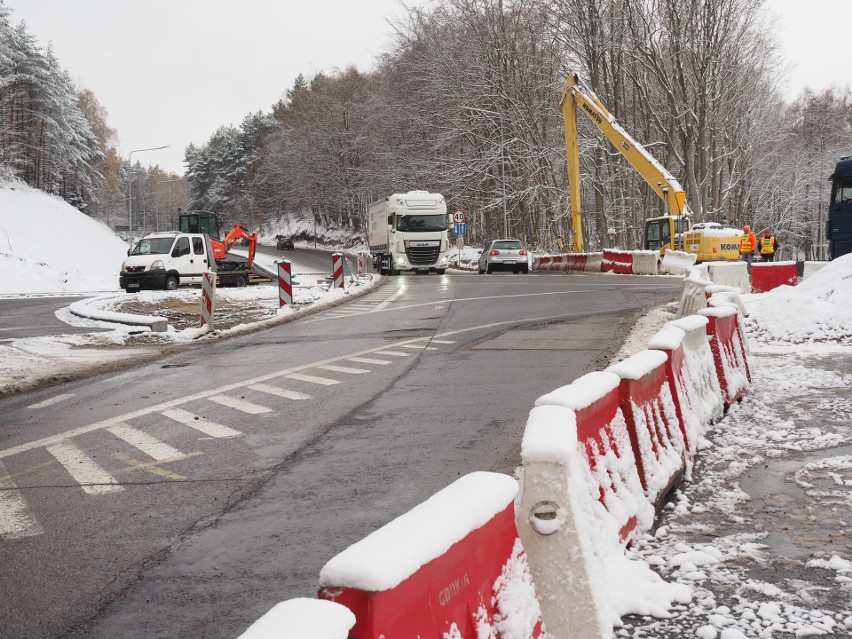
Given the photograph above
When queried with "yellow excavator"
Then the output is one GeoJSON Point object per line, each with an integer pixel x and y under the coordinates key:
{"type": "Point", "coordinates": [668, 232]}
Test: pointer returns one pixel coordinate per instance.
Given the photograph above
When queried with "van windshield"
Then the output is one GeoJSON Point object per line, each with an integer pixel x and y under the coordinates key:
{"type": "Point", "coordinates": [153, 246]}
{"type": "Point", "coordinates": [423, 223]}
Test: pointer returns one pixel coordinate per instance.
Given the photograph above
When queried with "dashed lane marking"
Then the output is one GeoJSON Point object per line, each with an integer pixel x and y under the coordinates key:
{"type": "Point", "coordinates": [200, 424]}
{"type": "Point", "coordinates": [15, 519]}
{"type": "Point", "coordinates": [368, 360]}
{"type": "Point", "coordinates": [151, 446]}
{"type": "Point", "coordinates": [240, 404]}
{"type": "Point", "coordinates": [343, 369]}
{"type": "Point", "coordinates": [313, 379]}
{"type": "Point", "coordinates": [279, 392]}
{"type": "Point", "coordinates": [93, 479]}
{"type": "Point", "coordinates": [51, 401]}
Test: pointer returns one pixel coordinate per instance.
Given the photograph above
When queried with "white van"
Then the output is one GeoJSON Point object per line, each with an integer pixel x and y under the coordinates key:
{"type": "Point", "coordinates": [166, 261]}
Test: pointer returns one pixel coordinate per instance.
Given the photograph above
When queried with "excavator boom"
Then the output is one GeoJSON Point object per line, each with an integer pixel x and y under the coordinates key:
{"type": "Point", "coordinates": [237, 233]}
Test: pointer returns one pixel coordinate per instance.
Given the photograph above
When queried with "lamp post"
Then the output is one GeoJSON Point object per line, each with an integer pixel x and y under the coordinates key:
{"type": "Point", "coordinates": [502, 163]}
{"type": "Point", "coordinates": [130, 190]}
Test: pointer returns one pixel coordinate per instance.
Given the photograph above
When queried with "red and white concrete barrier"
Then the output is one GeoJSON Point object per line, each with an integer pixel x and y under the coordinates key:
{"type": "Point", "coordinates": [302, 618]}
{"type": "Point", "coordinates": [360, 262]}
{"type": "Point", "coordinates": [337, 270]}
{"type": "Point", "coordinates": [652, 423]}
{"type": "Point", "coordinates": [729, 352]}
{"type": "Point", "coordinates": [285, 283]}
{"type": "Point", "coordinates": [700, 378]}
{"type": "Point", "coordinates": [452, 566]}
{"type": "Point", "coordinates": [208, 299]}
{"type": "Point", "coordinates": [768, 275]}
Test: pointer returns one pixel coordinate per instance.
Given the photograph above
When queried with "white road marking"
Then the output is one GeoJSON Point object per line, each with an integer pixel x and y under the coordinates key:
{"type": "Point", "coordinates": [343, 369]}
{"type": "Point", "coordinates": [389, 299]}
{"type": "Point", "coordinates": [441, 341]}
{"type": "Point", "coordinates": [279, 392]}
{"type": "Point", "coordinates": [419, 347]}
{"type": "Point", "coordinates": [240, 404]}
{"type": "Point", "coordinates": [367, 360]}
{"type": "Point", "coordinates": [394, 353]}
{"type": "Point", "coordinates": [51, 401]}
{"type": "Point", "coordinates": [200, 423]}
{"type": "Point", "coordinates": [15, 519]}
{"type": "Point", "coordinates": [151, 446]}
{"type": "Point", "coordinates": [93, 479]}
{"type": "Point", "coordinates": [313, 379]}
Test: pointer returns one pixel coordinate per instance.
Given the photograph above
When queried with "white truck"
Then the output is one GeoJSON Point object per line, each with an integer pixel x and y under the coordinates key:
{"type": "Point", "coordinates": [408, 232]}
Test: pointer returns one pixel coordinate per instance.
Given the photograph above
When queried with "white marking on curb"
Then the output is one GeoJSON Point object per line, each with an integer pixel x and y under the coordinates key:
{"type": "Point", "coordinates": [343, 369]}
{"type": "Point", "coordinates": [200, 424]}
{"type": "Point", "coordinates": [151, 446]}
{"type": "Point", "coordinates": [15, 520]}
{"type": "Point", "coordinates": [93, 479]}
{"type": "Point", "coordinates": [313, 379]}
{"type": "Point", "coordinates": [240, 404]}
{"type": "Point", "coordinates": [279, 392]}
{"type": "Point", "coordinates": [367, 360]}
{"type": "Point", "coordinates": [51, 401]}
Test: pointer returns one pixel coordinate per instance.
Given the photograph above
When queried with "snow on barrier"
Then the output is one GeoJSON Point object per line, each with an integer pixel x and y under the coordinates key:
{"type": "Point", "coordinates": [285, 283]}
{"type": "Point", "coordinates": [700, 377]}
{"type": "Point", "coordinates": [301, 618]}
{"type": "Point", "coordinates": [729, 352]}
{"type": "Point", "coordinates": [768, 275]}
{"type": "Point", "coordinates": [337, 270]}
{"type": "Point", "coordinates": [669, 340]}
{"type": "Point", "coordinates": [693, 297]}
{"type": "Point", "coordinates": [677, 262]}
{"type": "Point", "coordinates": [646, 262]}
{"type": "Point", "coordinates": [730, 274]}
{"type": "Point", "coordinates": [809, 268]}
{"type": "Point", "coordinates": [652, 423]}
{"type": "Point", "coordinates": [208, 299]}
{"type": "Point", "coordinates": [598, 424]}
{"type": "Point", "coordinates": [452, 566]}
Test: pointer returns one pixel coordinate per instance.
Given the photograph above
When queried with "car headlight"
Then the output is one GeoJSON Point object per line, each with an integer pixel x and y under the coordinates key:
{"type": "Point", "coordinates": [157, 264]}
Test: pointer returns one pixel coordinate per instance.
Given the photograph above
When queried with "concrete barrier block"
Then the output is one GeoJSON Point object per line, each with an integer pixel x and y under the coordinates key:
{"type": "Point", "coordinates": [730, 274]}
{"type": "Point", "coordinates": [300, 618]}
{"type": "Point", "coordinates": [646, 262]}
{"type": "Point", "coordinates": [701, 379]}
{"type": "Point", "coordinates": [593, 263]}
{"type": "Point", "coordinates": [809, 268]}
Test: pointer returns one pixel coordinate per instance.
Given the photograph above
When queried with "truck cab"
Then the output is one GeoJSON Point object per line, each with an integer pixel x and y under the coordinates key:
{"type": "Point", "coordinates": [166, 261]}
{"type": "Point", "coordinates": [838, 229]}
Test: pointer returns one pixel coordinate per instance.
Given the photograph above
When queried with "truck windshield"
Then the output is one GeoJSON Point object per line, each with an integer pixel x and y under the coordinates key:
{"type": "Point", "coordinates": [421, 223]}
{"type": "Point", "coordinates": [153, 246]}
{"type": "Point", "coordinates": [842, 191]}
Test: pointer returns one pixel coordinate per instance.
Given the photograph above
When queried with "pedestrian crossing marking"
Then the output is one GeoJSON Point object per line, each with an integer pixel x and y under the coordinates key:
{"type": "Point", "coordinates": [142, 441]}
{"type": "Point", "coordinates": [344, 369]}
{"type": "Point", "coordinates": [394, 353]}
{"type": "Point", "coordinates": [201, 424]}
{"type": "Point", "coordinates": [369, 360]}
{"type": "Point", "coordinates": [239, 404]}
{"type": "Point", "coordinates": [279, 392]}
{"type": "Point", "coordinates": [15, 519]}
{"type": "Point", "coordinates": [93, 479]}
{"type": "Point", "coordinates": [313, 379]}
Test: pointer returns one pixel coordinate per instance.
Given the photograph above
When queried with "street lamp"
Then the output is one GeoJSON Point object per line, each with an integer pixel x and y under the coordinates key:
{"type": "Point", "coordinates": [502, 163]}
{"type": "Point", "coordinates": [130, 190]}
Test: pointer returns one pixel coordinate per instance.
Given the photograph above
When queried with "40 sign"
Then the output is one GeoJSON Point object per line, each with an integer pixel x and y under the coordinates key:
{"type": "Point", "coordinates": [458, 217]}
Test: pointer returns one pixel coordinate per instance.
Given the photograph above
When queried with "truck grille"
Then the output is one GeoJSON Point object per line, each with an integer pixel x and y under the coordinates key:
{"type": "Point", "coordinates": [422, 254]}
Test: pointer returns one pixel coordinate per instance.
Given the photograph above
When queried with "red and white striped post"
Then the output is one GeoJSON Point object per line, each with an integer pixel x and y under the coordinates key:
{"type": "Point", "coordinates": [360, 262]}
{"type": "Point", "coordinates": [337, 269]}
{"type": "Point", "coordinates": [285, 284]}
{"type": "Point", "coordinates": [208, 299]}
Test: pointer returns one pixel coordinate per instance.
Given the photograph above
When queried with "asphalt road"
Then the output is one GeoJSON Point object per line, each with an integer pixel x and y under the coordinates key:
{"type": "Point", "coordinates": [185, 498]}
{"type": "Point", "coordinates": [36, 317]}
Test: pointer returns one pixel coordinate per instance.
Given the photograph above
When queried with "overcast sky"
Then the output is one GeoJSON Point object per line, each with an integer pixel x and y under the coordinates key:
{"type": "Point", "coordinates": [170, 72]}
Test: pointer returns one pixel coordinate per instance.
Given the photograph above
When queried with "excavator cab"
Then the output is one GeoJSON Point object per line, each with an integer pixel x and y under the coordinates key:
{"type": "Point", "coordinates": [200, 222]}
{"type": "Point", "coordinates": [665, 232]}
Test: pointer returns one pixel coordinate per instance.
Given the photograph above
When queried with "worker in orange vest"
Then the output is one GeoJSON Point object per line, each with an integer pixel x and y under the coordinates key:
{"type": "Point", "coordinates": [748, 244]}
{"type": "Point", "coordinates": [768, 246]}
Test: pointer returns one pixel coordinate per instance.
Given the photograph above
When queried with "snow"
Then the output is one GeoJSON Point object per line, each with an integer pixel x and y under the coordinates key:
{"type": "Point", "coordinates": [300, 618]}
{"type": "Point", "coordinates": [582, 392]}
{"type": "Point", "coordinates": [47, 246]}
{"type": "Point", "coordinates": [394, 552]}
{"type": "Point", "coordinates": [638, 365]}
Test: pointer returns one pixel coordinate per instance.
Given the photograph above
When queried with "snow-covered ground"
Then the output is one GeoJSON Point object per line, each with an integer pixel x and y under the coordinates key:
{"type": "Point", "coordinates": [760, 537]}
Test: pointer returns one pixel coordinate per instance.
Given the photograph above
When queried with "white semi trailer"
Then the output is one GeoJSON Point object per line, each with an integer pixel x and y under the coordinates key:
{"type": "Point", "coordinates": [408, 232]}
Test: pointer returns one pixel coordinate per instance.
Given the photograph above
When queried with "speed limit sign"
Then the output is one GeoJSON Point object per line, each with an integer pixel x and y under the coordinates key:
{"type": "Point", "coordinates": [458, 217]}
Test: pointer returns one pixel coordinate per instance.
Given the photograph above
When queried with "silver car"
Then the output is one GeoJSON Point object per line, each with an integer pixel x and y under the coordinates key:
{"type": "Point", "coordinates": [504, 255]}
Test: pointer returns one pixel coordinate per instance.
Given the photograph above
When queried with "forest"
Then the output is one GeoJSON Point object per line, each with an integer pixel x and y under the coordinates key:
{"type": "Point", "coordinates": [465, 101]}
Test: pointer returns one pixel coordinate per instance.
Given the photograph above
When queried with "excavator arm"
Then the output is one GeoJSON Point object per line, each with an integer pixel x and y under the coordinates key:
{"type": "Point", "coordinates": [576, 97]}
{"type": "Point", "coordinates": [236, 233]}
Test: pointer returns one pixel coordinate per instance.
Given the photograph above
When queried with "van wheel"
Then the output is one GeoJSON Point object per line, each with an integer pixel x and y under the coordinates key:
{"type": "Point", "coordinates": [171, 283]}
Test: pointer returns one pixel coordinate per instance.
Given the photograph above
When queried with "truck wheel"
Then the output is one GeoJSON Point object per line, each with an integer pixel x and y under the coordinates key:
{"type": "Point", "coordinates": [171, 283]}
{"type": "Point", "coordinates": [240, 281]}
{"type": "Point", "coordinates": [440, 271]}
